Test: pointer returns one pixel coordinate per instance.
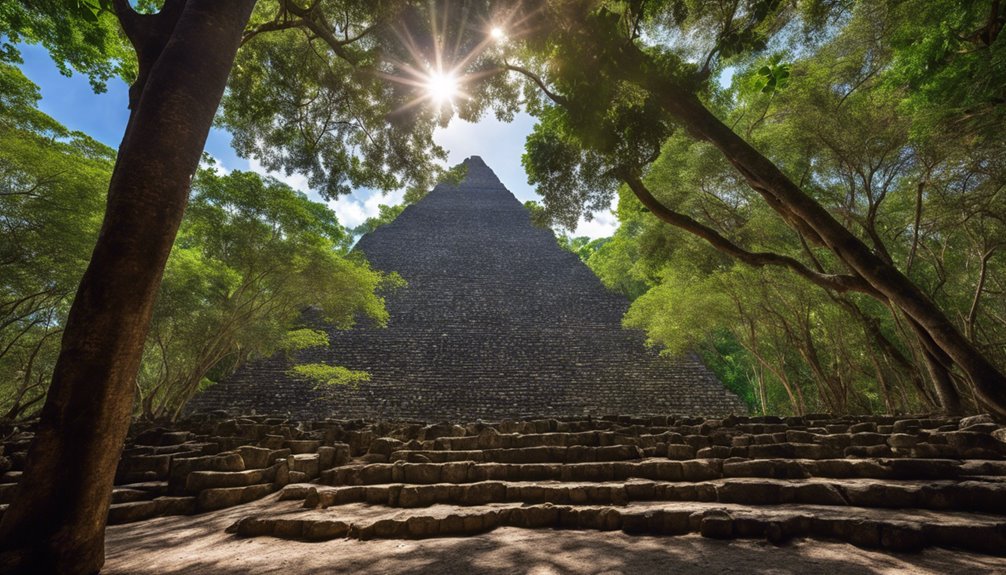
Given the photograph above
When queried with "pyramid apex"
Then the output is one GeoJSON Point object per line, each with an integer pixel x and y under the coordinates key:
{"type": "Point", "coordinates": [479, 175]}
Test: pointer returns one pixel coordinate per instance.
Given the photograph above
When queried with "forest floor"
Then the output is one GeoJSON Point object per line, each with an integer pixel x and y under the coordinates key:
{"type": "Point", "coordinates": [197, 545]}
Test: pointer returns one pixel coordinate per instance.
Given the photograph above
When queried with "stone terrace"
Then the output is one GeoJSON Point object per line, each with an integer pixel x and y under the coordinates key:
{"type": "Point", "coordinates": [497, 321]}
{"type": "Point", "coordinates": [896, 484]}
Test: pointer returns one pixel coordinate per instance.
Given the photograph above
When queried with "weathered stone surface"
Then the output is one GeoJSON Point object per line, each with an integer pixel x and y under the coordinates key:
{"type": "Point", "coordinates": [219, 498]}
{"type": "Point", "coordinates": [140, 510]}
{"type": "Point", "coordinates": [974, 420]}
{"type": "Point", "coordinates": [385, 446]}
{"type": "Point", "coordinates": [255, 457]}
{"type": "Point", "coordinates": [303, 446]}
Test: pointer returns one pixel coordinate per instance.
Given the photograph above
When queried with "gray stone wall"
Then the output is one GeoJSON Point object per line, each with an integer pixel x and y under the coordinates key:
{"type": "Point", "coordinates": [497, 321]}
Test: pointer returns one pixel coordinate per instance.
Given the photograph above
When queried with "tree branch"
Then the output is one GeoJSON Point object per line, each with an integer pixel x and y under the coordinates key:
{"type": "Point", "coordinates": [537, 80]}
{"type": "Point", "coordinates": [838, 283]}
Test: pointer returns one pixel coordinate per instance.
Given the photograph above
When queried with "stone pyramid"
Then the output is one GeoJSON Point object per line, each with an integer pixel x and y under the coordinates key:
{"type": "Point", "coordinates": [497, 322]}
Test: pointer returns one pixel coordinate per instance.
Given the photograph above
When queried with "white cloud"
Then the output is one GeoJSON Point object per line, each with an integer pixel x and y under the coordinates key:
{"type": "Point", "coordinates": [603, 224]}
{"type": "Point", "coordinates": [214, 163]}
{"type": "Point", "coordinates": [295, 181]}
{"type": "Point", "coordinates": [499, 144]}
{"type": "Point", "coordinates": [354, 209]}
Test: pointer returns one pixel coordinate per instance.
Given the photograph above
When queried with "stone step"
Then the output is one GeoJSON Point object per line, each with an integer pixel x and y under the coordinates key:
{"type": "Point", "coordinates": [307, 466]}
{"type": "Point", "coordinates": [977, 495]}
{"type": "Point", "coordinates": [154, 488]}
{"type": "Point", "coordinates": [903, 530]}
{"type": "Point", "coordinates": [182, 467]}
{"type": "Point", "coordinates": [162, 437]}
{"type": "Point", "coordinates": [10, 477]}
{"type": "Point", "coordinates": [132, 511]}
{"type": "Point", "coordinates": [729, 443]}
{"type": "Point", "coordinates": [551, 454]}
{"type": "Point", "coordinates": [203, 448]}
{"type": "Point", "coordinates": [197, 481]}
{"type": "Point", "coordinates": [128, 495]}
{"type": "Point", "coordinates": [656, 469]}
{"type": "Point", "coordinates": [259, 457]}
{"type": "Point", "coordinates": [221, 497]}
{"type": "Point", "coordinates": [489, 438]}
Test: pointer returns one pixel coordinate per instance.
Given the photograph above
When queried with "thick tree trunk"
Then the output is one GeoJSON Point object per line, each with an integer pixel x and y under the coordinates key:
{"type": "Point", "coordinates": [56, 521]}
{"type": "Point", "coordinates": [808, 216]}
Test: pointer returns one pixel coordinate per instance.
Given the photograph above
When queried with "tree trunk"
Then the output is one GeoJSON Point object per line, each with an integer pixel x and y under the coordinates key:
{"type": "Point", "coordinates": [936, 363]}
{"type": "Point", "coordinates": [810, 218]}
{"type": "Point", "coordinates": [56, 521]}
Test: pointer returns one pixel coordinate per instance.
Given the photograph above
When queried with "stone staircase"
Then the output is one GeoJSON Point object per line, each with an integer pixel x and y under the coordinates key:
{"type": "Point", "coordinates": [900, 484]}
{"type": "Point", "coordinates": [202, 464]}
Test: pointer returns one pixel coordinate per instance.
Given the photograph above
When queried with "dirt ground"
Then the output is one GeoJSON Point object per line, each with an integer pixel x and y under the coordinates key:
{"type": "Point", "coordinates": [198, 545]}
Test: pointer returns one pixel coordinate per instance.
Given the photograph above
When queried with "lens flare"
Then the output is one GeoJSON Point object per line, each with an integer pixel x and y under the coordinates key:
{"type": "Point", "coordinates": [442, 87]}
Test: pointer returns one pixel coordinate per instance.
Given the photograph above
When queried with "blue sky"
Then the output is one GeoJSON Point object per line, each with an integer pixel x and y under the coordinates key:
{"type": "Point", "coordinates": [103, 116]}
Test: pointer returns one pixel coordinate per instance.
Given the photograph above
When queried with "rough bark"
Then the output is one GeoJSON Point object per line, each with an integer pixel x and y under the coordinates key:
{"type": "Point", "coordinates": [806, 215]}
{"type": "Point", "coordinates": [57, 519]}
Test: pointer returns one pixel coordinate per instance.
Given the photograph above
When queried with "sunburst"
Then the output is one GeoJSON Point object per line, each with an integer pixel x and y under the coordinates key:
{"type": "Point", "coordinates": [438, 76]}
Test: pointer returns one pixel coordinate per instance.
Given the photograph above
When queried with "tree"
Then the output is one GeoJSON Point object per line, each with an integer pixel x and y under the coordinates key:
{"type": "Point", "coordinates": [250, 256]}
{"type": "Point", "coordinates": [52, 183]}
{"type": "Point", "coordinates": [184, 55]}
{"type": "Point", "coordinates": [609, 95]}
{"type": "Point", "coordinates": [57, 519]}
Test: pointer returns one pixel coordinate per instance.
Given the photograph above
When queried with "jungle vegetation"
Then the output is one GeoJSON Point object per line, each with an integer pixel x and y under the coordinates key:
{"type": "Point", "coordinates": [810, 191]}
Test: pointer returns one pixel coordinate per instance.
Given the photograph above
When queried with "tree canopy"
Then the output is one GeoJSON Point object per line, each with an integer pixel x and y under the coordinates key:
{"type": "Point", "coordinates": [809, 190]}
{"type": "Point", "coordinates": [832, 133]}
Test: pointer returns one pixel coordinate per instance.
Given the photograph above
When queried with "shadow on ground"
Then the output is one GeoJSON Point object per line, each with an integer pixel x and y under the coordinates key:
{"type": "Point", "coordinates": [198, 545]}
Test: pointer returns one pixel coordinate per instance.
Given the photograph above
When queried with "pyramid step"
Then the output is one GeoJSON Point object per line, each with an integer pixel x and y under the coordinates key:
{"type": "Point", "coordinates": [128, 495]}
{"type": "Point", "coordinates": [491, 439]}
{"type": "Point", "coordinates": [182, 467]}
{"type": "Point", "coordinates": [985, 496]}
{"type": "Point", "coordinates": [657, 469]}
{"type": "Point", "coordinates": [154, 488]}
{"type": "Point", "coordinates": [133, 511]}
{"type": "Point", "coordinates": [552, 454]}
{"type": "Point", "coordinates": [221, 497]}
{"type": "Point", "coordinates": [197, 481]}
{"type": "Point", "coordinates": [902, 530]}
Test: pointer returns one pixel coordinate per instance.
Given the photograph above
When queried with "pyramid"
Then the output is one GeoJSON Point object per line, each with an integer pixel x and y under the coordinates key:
{"type": "Point", "coordinates": [497, 321]}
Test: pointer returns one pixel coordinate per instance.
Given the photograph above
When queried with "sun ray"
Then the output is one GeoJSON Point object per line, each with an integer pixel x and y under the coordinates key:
{"type": "Point", "coordinates": [437, 65]}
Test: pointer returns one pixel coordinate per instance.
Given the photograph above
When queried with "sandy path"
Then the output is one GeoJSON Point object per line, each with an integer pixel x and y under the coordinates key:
{"type": "Point", "coordinates": [198, 545]}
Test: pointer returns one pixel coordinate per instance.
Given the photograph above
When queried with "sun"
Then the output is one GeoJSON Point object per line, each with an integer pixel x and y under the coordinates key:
{"type": "Point", "coordinates": [497, 34]}
{"type": "Point", "coordinates": [442, 87]}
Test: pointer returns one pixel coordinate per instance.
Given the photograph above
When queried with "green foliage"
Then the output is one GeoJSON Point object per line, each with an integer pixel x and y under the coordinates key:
{"type": "Point", "coordinates": [348, 108]}
{"type": "Point", "coordinates": [582, 246]}
{"type": "Point", "coordinates": [51, 199]}
{"type": "Point", "coordinates": [732, 364]}
{"type": "Point", "coordinates": [951, 57]}
{"type": "Point", "coordinates": [303, 338]}
{"type": "Point", "coordinates": [680, 311]}
{"type": "Point", "coordinates": [455, 174]}
{"type": "Point", "coordinates": [81, 35]}
{"type": "Point", "coordinates": [539, 217]}
{"type": "Point", "coordinates": [888, 114]}
{"type": "Point", "coordinates": [251, 255]}
{"type": "Point", "coordinates": [772, 77]}
{"type": "Point", "coordinates": [324, 376]}
{"type": "Point", "coordinates": [385, 215]}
